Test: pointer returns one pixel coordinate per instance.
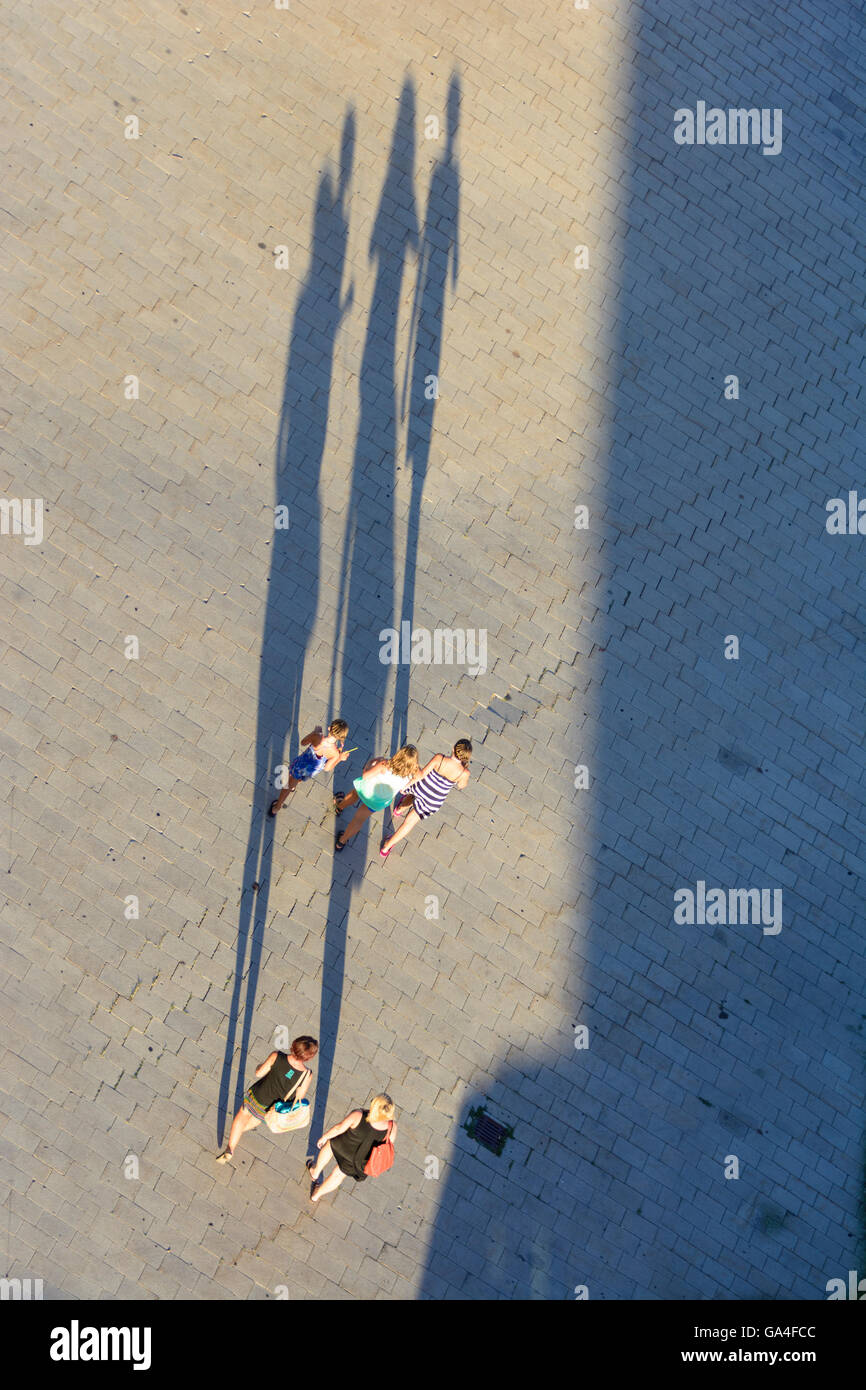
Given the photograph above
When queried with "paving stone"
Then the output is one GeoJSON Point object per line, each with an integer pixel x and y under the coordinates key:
{"type": "Point", "coordinates": [604, 647]}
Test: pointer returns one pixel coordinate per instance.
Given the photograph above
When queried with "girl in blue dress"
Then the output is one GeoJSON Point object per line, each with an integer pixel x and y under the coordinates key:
{"type": "Point", "coordinates": [322, 752]}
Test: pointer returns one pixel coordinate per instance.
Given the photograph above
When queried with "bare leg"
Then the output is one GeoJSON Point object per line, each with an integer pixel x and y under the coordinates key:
{"type": "Point", "coordinates": [323, 1159]}
{"type": "Point", "coordinates": [362, 814]}
{"type": "Point", "coordinates": [242, 1122]}
{"type": "Point", "coordinates": [331, 1183]}
{"type": "Point", "coordinates": [350, 799]}
{"type": "Point", "coordinates": [412, 819]}
{"type": "Point", "coordinates": [275, 805]}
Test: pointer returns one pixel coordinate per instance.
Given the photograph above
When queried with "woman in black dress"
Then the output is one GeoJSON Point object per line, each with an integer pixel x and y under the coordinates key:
{"type": "Point", "coordinates": [280, 1076]}
{"type": "Point", "coordinates": [351, 1142]}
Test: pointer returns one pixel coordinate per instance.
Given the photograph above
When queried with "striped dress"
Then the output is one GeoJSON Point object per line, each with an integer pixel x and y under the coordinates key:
{"type": "Point", "coordinates": [430, 792]}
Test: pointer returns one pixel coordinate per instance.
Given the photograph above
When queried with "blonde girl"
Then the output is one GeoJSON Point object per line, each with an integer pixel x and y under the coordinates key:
{"type": "Point", "coordinates": [381, 780]}
{"type": "Point", "coordinates": [351, 1142]}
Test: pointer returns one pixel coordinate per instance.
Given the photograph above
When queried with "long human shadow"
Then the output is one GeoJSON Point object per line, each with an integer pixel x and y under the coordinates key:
{"type": "Point", "coordinates": [438, 254]}
{"type": "Point", "coordinates": [366, 592]}
{"type": "Point", "coordinates": [709, 521]}
{"type": "Point", "coordinates": [293, 581]}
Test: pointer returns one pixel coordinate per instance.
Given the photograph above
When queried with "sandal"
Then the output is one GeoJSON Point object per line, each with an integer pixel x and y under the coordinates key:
{"type": "Point", "coordinates": [383, 853]}
{"type": "Point", "coordinates": [226, 1156]}
{"type": "Point", "coordinates": [338, 846]}
{"type": "Point", "coordinates": [273, 808]}
{"type": "Point", "coordinates": [338, 810]}
{"type": "Point", "coordinates": [314, 1182]}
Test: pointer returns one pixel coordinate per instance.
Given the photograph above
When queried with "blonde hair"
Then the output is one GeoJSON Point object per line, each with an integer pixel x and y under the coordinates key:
{"type": "Point", "coordinates": [381, 1108]}
{"type": "Point", "coordinates": [338, 728]}
{"type": "Point", "coordinates": [405, 761]}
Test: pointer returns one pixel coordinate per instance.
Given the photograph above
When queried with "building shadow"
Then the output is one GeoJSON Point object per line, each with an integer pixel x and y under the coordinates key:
{"type": "Point", "coordinates": [705, 1042]}
{"type": "Point", "coordinates": [293, 582]}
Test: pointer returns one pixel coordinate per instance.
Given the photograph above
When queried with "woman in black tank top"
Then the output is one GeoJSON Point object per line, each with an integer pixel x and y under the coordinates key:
{"type": "Point", "coordinates": [282, 1075]}
{"type": "Point", "coordinates": [350, 1143]}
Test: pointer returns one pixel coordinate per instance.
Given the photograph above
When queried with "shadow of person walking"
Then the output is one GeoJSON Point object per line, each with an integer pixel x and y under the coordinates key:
{"type": "Point", "coordinates": [366, 594]}
{"type": "Point", "coordinates": [293, 591]}
{"type": "Point", "coordinates": [438, 253]}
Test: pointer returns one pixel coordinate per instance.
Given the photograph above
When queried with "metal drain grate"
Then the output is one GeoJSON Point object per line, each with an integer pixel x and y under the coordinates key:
{"type": "Point", "coordinates": [486, 1131]}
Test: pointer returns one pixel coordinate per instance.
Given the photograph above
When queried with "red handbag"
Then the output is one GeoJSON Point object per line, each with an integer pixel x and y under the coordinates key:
{"type": "Point", "coordinates": [381, 1157]}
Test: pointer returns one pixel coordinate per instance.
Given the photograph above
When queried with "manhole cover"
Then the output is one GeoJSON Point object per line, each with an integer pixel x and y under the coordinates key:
{"type": "Point", "coordinates": [487, 1131]}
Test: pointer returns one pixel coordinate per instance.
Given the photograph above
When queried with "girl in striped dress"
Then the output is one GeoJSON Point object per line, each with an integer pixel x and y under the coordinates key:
{"type": "Point", "coordinates": [430, 790]}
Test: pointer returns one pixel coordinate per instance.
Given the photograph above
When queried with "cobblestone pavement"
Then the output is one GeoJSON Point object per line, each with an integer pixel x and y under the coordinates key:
{"type": "Point", "coordinates": [320, 214]}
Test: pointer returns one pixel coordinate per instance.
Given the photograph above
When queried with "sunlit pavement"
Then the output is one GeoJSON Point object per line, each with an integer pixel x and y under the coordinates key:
{"type": "Point", "coordinates": [261, 260]}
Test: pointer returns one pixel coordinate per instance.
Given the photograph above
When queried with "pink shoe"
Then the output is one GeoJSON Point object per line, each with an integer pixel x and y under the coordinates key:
{"type": "Point", "coordinates": [383, 853]}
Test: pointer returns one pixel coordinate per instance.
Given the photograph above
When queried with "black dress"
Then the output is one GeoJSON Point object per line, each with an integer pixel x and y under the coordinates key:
{"type": "Point", "coordinates": [353, 1147]}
